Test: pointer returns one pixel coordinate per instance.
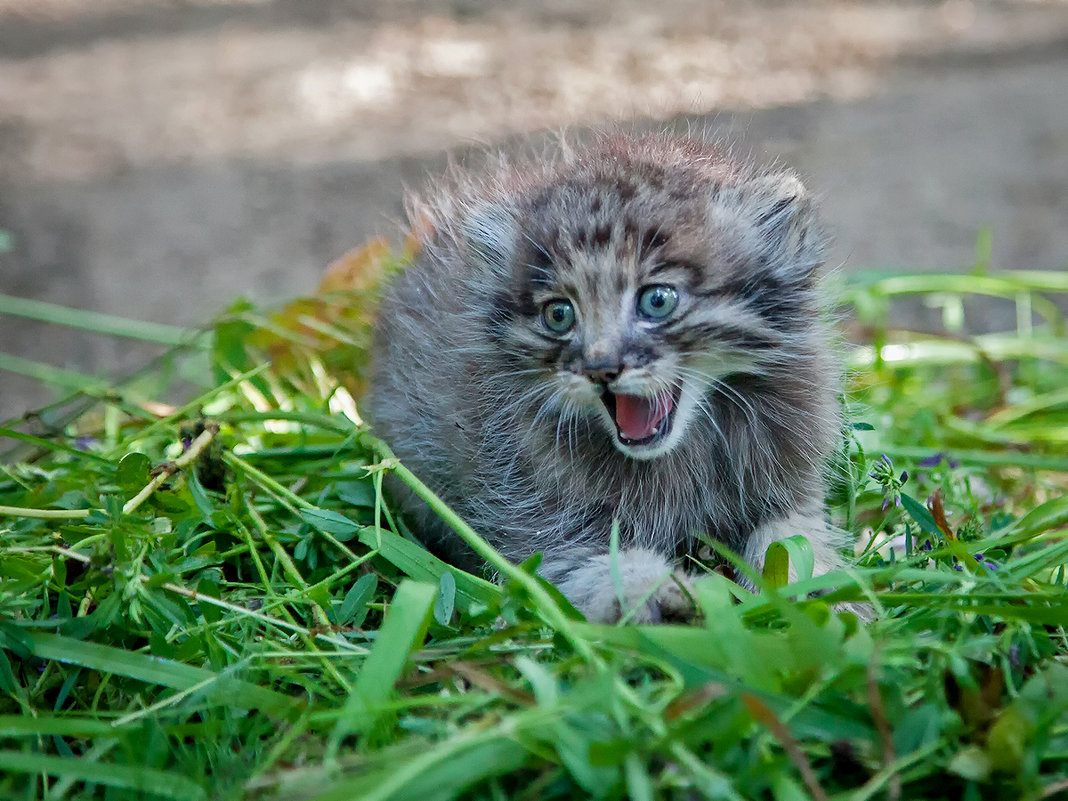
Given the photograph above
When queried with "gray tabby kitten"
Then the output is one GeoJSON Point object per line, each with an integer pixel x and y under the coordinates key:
{"type": "Point", "coordinates": [628, 332]}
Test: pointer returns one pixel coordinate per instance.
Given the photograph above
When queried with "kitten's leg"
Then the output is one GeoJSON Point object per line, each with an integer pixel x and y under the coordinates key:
{"type": "Point", "coordinates": [826, 549]}
{"type": "Point", "coordinates": [824, 540]}
{"type": "Point", "coordinates": [646, 581]}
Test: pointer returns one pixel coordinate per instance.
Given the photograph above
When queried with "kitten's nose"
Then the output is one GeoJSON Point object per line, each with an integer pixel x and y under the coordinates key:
{"type": "Point", "coordinates": [602, 372]}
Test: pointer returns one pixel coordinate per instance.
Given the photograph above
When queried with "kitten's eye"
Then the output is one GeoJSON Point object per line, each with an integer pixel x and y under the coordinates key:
{"type": "Point", "coordinates": [558, 315]}
{"type": "Point", "coordinates": [657, 302]}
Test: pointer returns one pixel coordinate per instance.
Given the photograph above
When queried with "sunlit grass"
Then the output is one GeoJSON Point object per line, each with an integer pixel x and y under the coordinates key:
{"type": "Point", "coordinates": [207, 596]}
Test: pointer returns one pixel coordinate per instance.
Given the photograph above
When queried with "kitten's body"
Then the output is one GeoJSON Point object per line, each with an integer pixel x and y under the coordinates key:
{"type": "Point", "coordinates": [503, 416]}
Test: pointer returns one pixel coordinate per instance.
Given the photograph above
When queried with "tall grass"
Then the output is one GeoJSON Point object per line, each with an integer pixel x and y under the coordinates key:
{"type": "Point", "coordinates": [213, 599]}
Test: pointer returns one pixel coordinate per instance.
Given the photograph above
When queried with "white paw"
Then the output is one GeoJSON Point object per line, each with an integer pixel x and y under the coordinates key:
{"type": "Point", "coordinates": [642, 587]}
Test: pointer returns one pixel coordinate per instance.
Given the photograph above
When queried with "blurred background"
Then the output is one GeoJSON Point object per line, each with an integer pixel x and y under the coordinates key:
{"type": "Point", "coordinates": [160, 157]}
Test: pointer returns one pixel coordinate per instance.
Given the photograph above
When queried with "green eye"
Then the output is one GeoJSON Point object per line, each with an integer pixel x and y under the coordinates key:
{"type": "Point", "coordinates": [558, 315]}
{"type": "Point", "coordinates": [657, 302]}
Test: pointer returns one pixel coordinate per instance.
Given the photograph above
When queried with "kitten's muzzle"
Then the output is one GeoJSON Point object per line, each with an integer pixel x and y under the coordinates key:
{"type": "Point", "coordinates": [640, 421]}
{"type": "Point", "coordinates": [602, 372]}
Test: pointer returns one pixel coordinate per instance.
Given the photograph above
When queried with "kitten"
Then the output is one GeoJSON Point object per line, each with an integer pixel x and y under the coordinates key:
{"type": "Point", "coordinates": [626, 333]}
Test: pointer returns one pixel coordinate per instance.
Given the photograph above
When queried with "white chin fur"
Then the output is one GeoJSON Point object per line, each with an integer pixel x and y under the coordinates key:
{"type": "Point", "coordinates": [647, 452]}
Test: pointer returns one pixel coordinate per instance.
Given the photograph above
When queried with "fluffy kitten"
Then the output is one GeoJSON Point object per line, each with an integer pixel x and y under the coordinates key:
{"type": "Point", "coordinates": [627, 332]}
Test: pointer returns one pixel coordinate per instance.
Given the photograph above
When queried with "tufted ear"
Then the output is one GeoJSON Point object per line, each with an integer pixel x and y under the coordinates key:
{"type": "Point", "coordinates": [785, 220]}
{"type": "Point", "coordinates": [782, 229]}
{"type": "Point", "coordinates": [491, 231]}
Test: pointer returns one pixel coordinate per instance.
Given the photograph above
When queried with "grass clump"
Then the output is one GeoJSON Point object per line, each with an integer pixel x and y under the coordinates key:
{"type": "Point", "coordinates": [215, 600]}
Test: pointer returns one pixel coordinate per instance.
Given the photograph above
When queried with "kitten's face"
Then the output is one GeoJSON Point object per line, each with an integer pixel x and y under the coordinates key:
{"type": "Point", "coordinates": [626, 354]}
{"type": "Point", "coordinates": [631, 306]}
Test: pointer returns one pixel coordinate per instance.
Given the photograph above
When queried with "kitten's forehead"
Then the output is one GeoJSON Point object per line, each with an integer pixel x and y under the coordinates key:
{"type": "Point", "coordinates": [599, 223]}
{"type": "Point", "coordinates": [626, 218]}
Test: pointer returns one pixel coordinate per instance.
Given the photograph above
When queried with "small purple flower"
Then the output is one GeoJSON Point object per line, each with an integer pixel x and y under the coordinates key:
{"type": "Point", "coordinates": [978, 558]}
{"type": "Point", "coordinates": [85, 443]}
{"type": "Point", "coordinates": [935, 459]}
{"type": "Point", "coordinates": [883, 472]}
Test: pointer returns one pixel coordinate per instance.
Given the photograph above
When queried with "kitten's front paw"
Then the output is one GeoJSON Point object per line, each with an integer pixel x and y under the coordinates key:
{"type": "Point", "coordinates": [671, 601]}
{"type": "Point", "coordinates": [645, 590]}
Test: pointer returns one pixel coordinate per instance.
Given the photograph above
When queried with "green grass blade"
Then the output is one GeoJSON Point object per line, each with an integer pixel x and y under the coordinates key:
{"type": "Point", "coordinates": [971, 456]}
{"type": "Point", "coordinates": [56, 376]}
{"type": "Point", "coordinates": [796, 550]}
{"type": "Point", "coordinates": [418, 563]}
{"type": "Point", "coordinates": [72, 726]}
{"type": "Point", "coordinates": [163, 672]}
{"type": "Point", "coordinates": [939, 352]}
{"type": "Point", "coordinates": [402, 631]}
{"type": "Point", "coordinates": [51, 444]}
{"type": "Point", "coordinates": [140, 779]}
{"type": "Point", "coordinates": [444, 771]}
{"type": "Point", "coordinates": [98, 322]}
{"type": "Point", "coordinates": [1007, 284]}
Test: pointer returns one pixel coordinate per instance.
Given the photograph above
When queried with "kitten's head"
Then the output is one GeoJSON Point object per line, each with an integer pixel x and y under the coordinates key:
{"type": "Point", "coordinates": [629, 282]}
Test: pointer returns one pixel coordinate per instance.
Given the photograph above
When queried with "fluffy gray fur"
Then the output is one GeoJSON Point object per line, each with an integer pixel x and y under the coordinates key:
{"type": "Point", "coordinates": [514, 424]}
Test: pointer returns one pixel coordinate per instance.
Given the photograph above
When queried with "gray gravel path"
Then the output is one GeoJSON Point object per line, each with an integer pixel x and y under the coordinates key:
{"type": "Point", "coordinates": [159, 158]}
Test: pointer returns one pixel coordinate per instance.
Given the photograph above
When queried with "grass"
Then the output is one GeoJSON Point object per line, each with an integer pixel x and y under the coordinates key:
{"type": "Point", "coordinates": [214, 600]}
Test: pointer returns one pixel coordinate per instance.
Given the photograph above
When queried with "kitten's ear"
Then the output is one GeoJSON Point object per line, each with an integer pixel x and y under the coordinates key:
{"type": "Point", "coordinates": [786, 222]}
{"type": "Point", "coordinates": [491, 232]}
{"type": "Point", "coordinates": [780, 212]}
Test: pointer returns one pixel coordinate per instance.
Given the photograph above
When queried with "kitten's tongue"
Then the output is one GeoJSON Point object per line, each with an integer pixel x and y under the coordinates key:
{"type": "Point", "coordinates": [637, 418]}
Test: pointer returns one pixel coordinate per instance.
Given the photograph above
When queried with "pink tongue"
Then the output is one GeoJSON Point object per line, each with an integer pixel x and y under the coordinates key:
{"type": "Point", "coordinates": [637, 418]}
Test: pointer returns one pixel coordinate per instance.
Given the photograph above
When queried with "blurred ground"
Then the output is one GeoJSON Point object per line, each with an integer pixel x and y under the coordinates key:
{"type": "Point", "coordinates": [159, 157]}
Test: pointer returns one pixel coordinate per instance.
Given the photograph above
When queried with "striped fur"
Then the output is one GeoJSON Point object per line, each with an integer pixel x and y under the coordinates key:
{"type": "Point", "coordinates": [496, 412]}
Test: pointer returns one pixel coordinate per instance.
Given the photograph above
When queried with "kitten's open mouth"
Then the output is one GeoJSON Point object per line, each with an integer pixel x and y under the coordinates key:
{"type": "Point", "coordinates": [639, 420]}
